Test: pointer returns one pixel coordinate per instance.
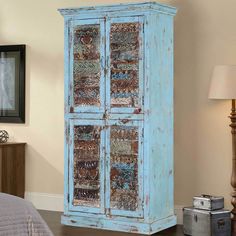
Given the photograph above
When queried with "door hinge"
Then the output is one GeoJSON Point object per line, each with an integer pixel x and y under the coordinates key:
{"type": "Point", "coordinates": [69, 100]}
{"type": "Point", "coordinates": [108, 211]}
{"type": "Point", "coordinates": [68, 197]}
{"type": "Point", "coordinates": [143, 100]}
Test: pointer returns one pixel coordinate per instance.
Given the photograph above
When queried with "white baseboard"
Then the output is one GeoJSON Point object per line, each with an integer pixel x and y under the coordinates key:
{"type": "Point", "coordinates": [179, 214]}
{"type": "Point", "coordinates": [46, 201]}
{"type": "Point", "coordinates": [54, 202]}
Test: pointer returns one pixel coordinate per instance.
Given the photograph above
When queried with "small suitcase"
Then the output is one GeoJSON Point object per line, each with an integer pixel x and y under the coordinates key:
{"type": "Point", "coordinates": [206, 223]}
{"type": "Point", "coordinates": [208, 202]}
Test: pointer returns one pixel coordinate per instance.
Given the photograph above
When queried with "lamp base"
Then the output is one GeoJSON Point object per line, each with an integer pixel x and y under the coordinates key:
{"type": "Point", "coordinates": [233, 227]}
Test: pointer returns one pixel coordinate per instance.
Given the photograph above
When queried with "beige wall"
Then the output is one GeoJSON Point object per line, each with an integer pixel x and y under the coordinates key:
{"type": "Point", "coordinates": [205, 35]}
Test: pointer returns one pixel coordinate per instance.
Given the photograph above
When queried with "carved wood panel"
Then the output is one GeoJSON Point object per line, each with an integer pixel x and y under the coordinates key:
{"type": "Point", "coordinates": [86, 165]}
{"type": "Point", "coordinates": [86, 65]}
{"type": "Point", "coordinates": [124, 54]}
{"type": "Point", "coordinates": [124, 168]}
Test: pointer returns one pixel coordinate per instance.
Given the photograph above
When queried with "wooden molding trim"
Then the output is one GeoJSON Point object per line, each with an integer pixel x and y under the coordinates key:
{"type": "Point", "coordinates": [46, 201]}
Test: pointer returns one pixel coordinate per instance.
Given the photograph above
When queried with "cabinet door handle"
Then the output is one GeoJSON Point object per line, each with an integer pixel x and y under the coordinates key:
{"type": "Point", "coordinates": [102, 63]}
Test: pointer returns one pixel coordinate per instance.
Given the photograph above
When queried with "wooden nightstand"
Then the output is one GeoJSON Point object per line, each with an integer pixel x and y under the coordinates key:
{"type": "Point", "coordinates": [12, 168]}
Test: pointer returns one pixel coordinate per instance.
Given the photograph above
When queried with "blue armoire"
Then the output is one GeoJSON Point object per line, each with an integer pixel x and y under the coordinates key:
{"type": "Point", "coordinates": [119, 117]}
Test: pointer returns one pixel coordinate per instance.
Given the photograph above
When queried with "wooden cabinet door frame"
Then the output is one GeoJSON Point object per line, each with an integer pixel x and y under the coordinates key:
{"type": "Point", "coordinates": [82, 208]}
{"type": "Point", "coordinates": [138, 213]}
{"type": "Point", "coordinates": [105, 109]}
{"type": "Point", "coordinates": [70, 86]}
{"type": "Point", "coordinates": [123, 20]}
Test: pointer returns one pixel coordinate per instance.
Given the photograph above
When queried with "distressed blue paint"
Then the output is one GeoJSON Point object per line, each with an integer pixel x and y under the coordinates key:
{"type": "Point", "coordinates": [119, 9]}
{"type": "Point", "coordinates": [98, 116]}
{"type": "Point", "coordinates": [118, 224]}
{"type": "Point", "coordinates": [160, 123]}
{"type": "Point", "coordinates": [154, 119]}
{"type": "Point", "coordinates": [90, 109]}
{"type": "Point", "coordinates": [66, 110]}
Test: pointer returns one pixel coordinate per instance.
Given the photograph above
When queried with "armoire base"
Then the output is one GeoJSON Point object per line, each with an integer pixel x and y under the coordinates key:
{"type": "Point", "coordinates": [118, 225]}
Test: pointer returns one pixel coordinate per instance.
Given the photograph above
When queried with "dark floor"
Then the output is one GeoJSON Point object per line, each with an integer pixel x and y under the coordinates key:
{"type": "Point", "coordinates": [53, 221]}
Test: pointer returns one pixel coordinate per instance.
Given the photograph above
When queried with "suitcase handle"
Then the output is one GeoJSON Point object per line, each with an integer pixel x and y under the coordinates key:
{"type": "Point", "coordinates": [221, 223]}
{"type": "Point", "coordinates": [206, 196]}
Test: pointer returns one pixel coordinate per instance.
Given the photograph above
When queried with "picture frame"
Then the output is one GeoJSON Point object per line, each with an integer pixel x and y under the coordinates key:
{"type": "Point", "coordinates": [12, 83]}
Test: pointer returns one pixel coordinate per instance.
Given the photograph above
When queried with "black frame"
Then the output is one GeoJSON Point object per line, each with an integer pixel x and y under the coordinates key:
{"type": "Point", "coordinates": [20, 117]}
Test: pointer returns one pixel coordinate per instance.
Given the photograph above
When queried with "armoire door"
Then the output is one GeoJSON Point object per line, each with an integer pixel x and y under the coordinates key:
{"type": "Point", "coordinates": [125, 57]}
{"type": "Point", "coordinates": [124, 168]}
{"type": "Point", "coordinates": [86, 165]}
{"type": "Point", "coordinates": [87, 66]}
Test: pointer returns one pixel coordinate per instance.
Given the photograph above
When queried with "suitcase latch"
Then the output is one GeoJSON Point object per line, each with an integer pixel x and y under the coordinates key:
{"type": "Point", "coordinates": [221, 223]}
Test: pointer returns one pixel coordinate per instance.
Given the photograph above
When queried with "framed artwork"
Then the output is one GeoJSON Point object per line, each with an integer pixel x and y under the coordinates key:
{"type": "Point", "coordinates": [12, 84]}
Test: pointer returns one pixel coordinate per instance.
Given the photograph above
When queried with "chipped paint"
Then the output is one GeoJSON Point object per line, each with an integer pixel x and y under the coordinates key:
{"type": "Point", "coordinates": [137, 110]}
{"type": "Point", "coordinates": [71, 109]}
{"type": "Point", "coordinates": [125, 121]}
{"type": "Point", "coordinates": [147, 200]}
{"type": "Point", "coordinates": [134, 229]}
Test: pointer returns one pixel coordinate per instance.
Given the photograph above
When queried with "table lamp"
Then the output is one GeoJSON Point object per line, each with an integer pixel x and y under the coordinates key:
{"type": "Point", "coordinates": [223, 86]}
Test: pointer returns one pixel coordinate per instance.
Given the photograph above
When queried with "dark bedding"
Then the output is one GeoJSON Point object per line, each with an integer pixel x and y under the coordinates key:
{"type": "Point", "coordinates": [19, 217]}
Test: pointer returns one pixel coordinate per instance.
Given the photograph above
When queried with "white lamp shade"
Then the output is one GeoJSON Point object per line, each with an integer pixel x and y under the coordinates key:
{"type": "Point", "coordinates": [223, 82]}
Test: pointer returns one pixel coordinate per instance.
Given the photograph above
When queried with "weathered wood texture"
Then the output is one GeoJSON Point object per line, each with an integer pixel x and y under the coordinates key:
{"type": "Point", "coordinates": [53, 221]}
{"type": "Point", "coordinates": [119, 117]}
{"type": "Point", "coordinates": [159, 123]}
{"type": "Point", "coordinates": [13, 168]}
